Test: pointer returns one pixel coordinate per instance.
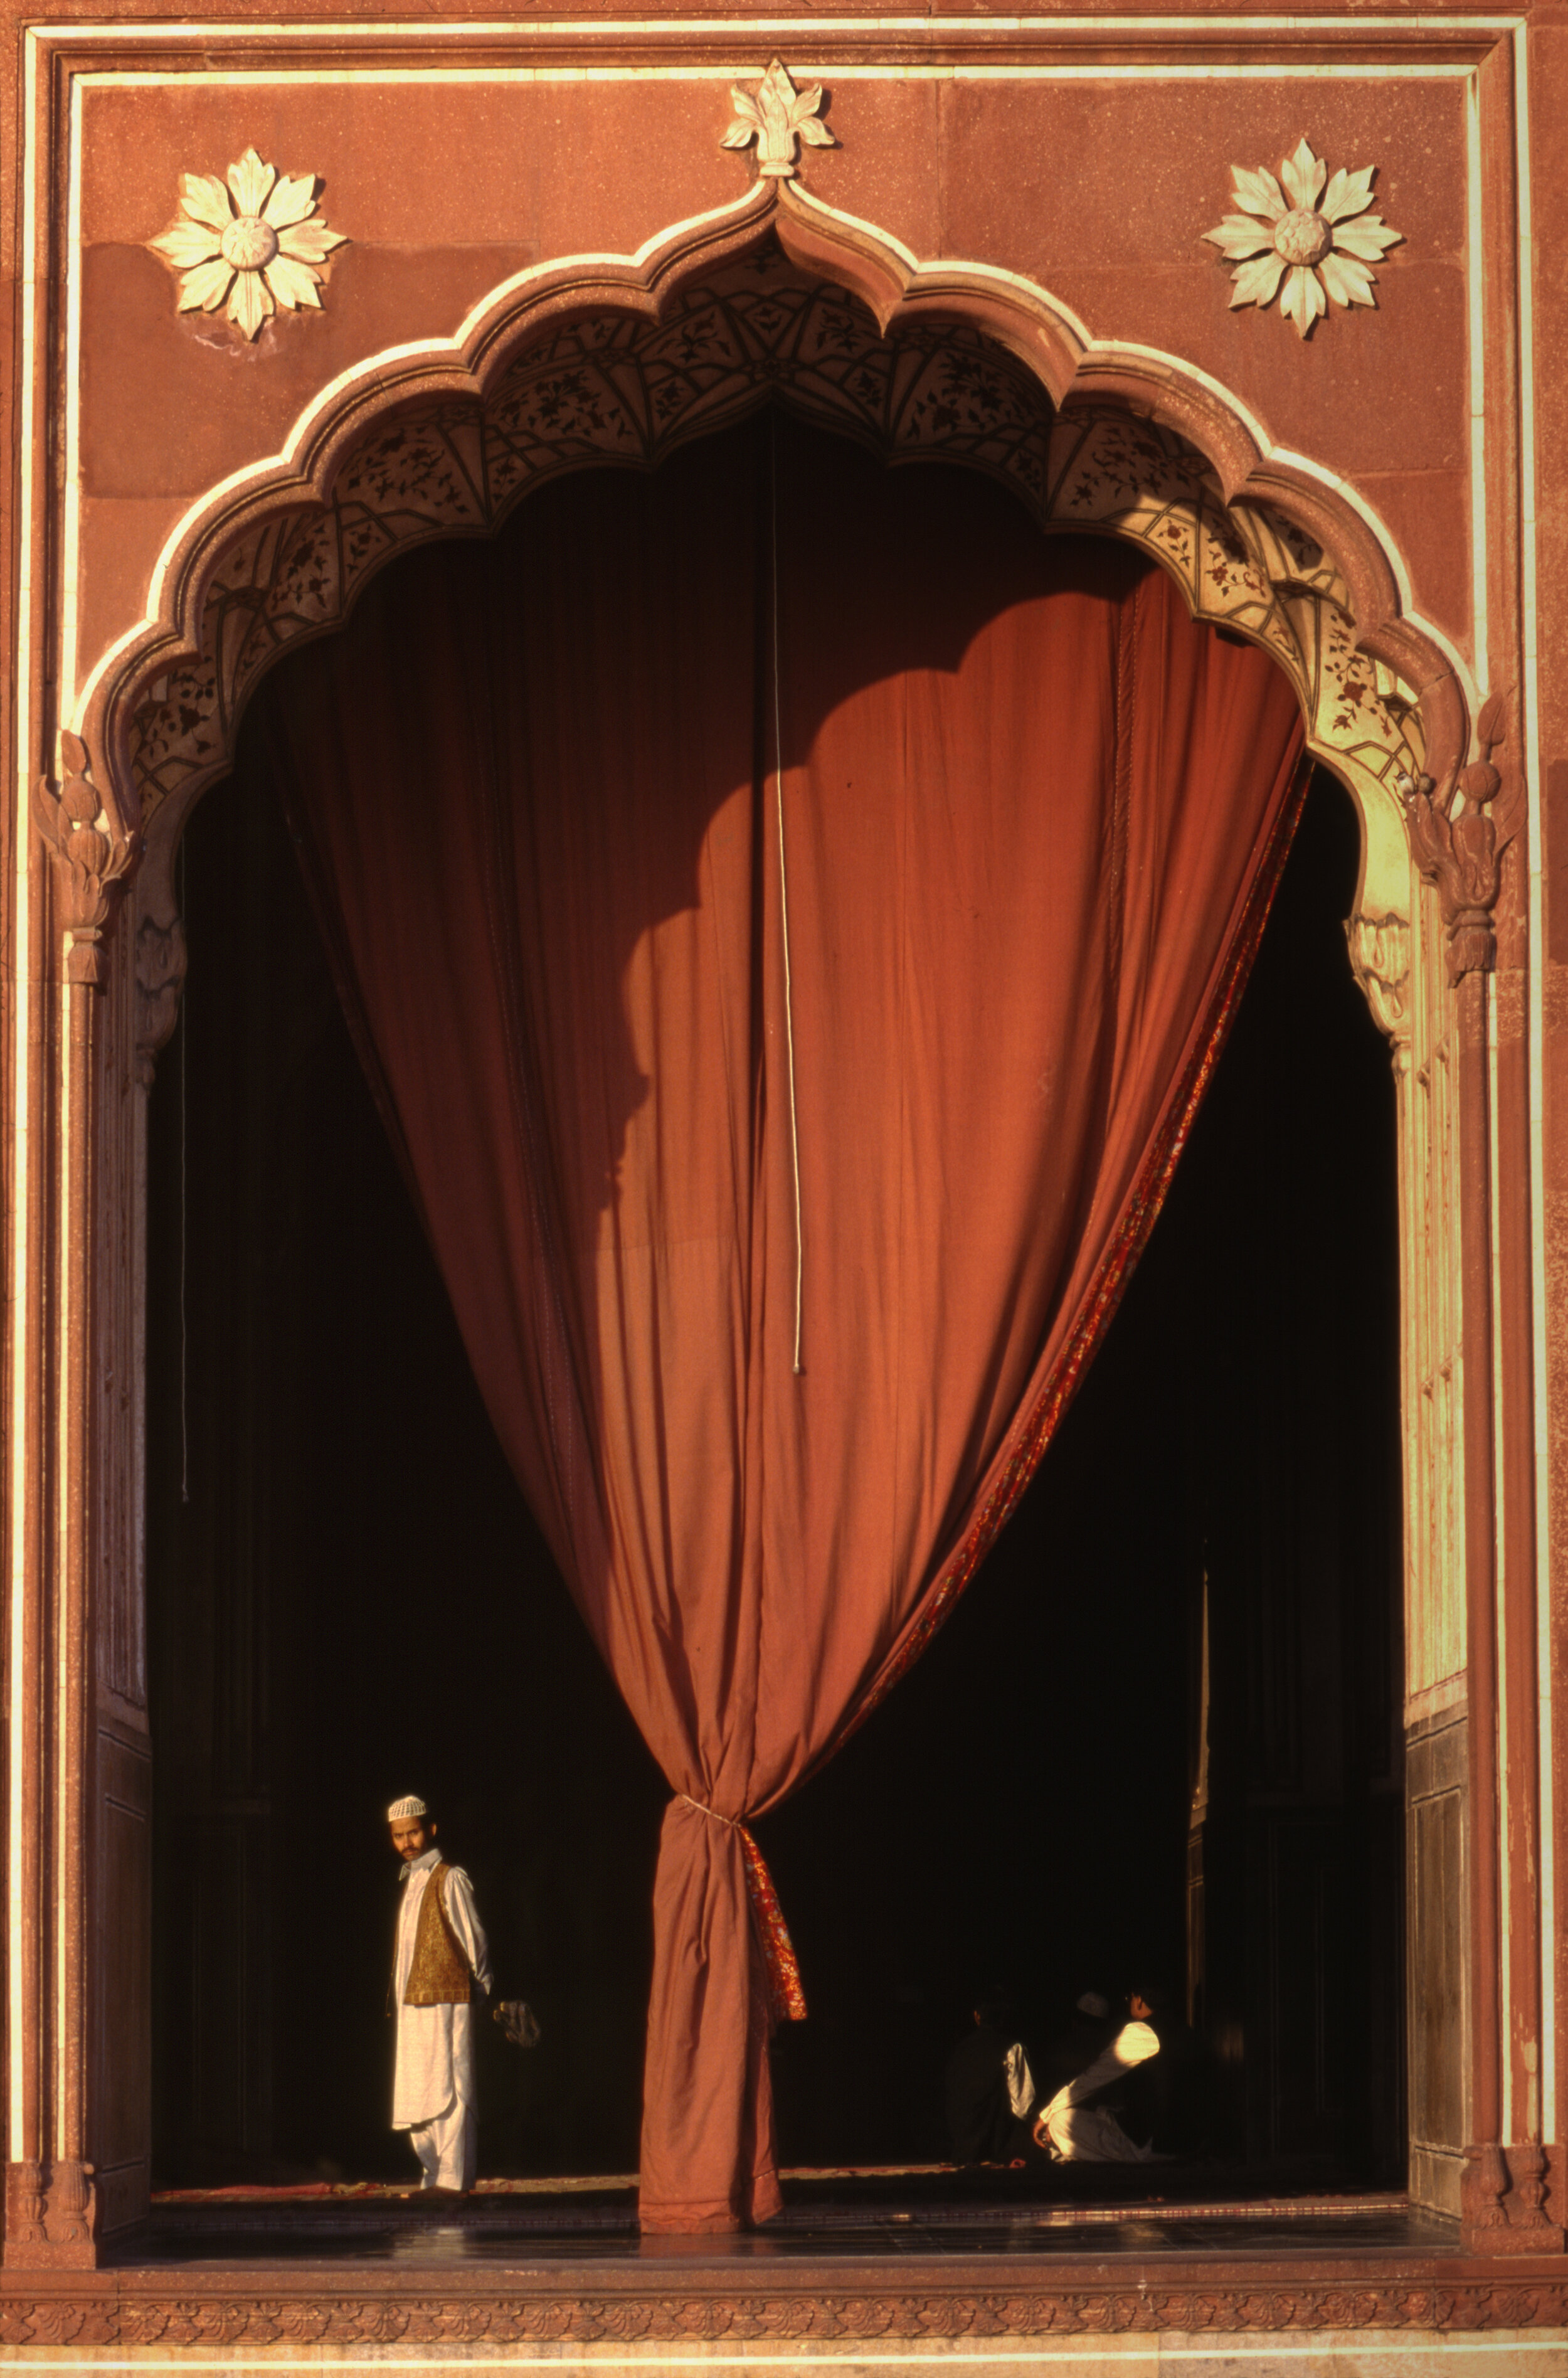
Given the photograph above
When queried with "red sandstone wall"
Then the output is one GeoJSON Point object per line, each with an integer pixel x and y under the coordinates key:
{"type": "Point", "coordinates": [1099, 191]}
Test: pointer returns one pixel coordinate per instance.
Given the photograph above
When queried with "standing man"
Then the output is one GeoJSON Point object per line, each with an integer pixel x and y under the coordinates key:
{"type": "Point", "coordinates": [440, 1959]}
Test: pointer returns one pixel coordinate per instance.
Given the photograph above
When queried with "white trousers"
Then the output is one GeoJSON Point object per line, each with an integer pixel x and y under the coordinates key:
{"type": "Point", "coordinates": [447, 2149]}
{"type": "Point", "coordinates": [1089, 2134]}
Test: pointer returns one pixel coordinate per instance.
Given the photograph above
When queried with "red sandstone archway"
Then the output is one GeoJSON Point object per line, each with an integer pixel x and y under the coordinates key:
{"type": "Point", "coordinates": [1145, 447]}
{"type": "Point", "coordinates": [1318, 566]}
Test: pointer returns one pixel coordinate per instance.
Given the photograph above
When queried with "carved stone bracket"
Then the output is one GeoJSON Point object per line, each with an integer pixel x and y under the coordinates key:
{"type": "Point", "coordinates": [1460, 851]}
{"type": "Point", "coordinates": [1502, 2200]}
{"type": "Point", "coordinates": [1380, 960]}
{"type": "Point", "coordinates": [92, 857]}
{"type": "Point", "coordinates": [161, 960]}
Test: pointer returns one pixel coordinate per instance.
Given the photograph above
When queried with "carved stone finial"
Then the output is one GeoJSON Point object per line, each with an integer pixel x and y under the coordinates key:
{"type": "Point", "coordinates": [1318, 244]}
{"type": "Point", "coordinates": [1380, 960]}
{"type": "Point", "coordinates": [1459, 853]}
{"type": "Point", "coordinates": [778, 118]}
{"type": "Point", "coordinates": [254, 242]}
{"type": "Point", "coordinates": [161, 959]}
{"type": "Point", "coordinates": [91, 860]}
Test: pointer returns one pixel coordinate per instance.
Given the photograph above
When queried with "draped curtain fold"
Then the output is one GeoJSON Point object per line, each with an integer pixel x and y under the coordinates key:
{"type": "Point", "coordinates": [1022, 838]}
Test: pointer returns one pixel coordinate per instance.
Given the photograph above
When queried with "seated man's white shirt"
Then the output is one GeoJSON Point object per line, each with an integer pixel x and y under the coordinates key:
{"type": "Point", "coordinates": [1081, 2134]}
{"type": "Point", "coordinates": [434, 2070]}
{"type": "Point", "coordinates": [1020, 2081]}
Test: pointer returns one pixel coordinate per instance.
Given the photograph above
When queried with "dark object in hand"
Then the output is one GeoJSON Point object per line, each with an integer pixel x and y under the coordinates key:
{"type": "Point", "coordinates": [519, 2021]}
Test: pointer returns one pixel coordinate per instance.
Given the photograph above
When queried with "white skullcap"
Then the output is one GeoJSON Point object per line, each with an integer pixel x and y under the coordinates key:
{"type": "Point", "coordinates": [1092, 2003]}
{"type": "Point", "coordinates": [411, 1805]}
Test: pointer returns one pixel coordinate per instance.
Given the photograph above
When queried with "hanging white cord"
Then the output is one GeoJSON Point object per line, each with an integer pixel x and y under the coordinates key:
{"type": "Point", "coordinates": [783, 892]}
{"type": "Point", "coordinates": [185, 1342]}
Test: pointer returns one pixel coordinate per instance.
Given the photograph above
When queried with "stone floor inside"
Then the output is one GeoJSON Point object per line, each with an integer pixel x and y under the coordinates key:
{"type": "Point", "coordinates": [828, 2216]}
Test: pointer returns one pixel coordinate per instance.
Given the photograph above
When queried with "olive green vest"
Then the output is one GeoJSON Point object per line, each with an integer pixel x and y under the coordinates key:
{"type": "Point", "coordinates": [439, 1973]}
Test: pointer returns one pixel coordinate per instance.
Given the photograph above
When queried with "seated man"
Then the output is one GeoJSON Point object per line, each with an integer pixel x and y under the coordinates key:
{"type": "Point", "coordinates": [1077, 2126]}
{"type": "Point", "coordinates": [1087, 2031]}
{"type": "Point", "coordinates": [989, 2087]}
{"type": "Point", "coordinates": [1165, 2102]}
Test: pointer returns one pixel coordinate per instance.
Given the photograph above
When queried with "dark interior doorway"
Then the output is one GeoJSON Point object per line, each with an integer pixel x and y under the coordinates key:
{"type": "Point", "coordinates": [349, 1601]}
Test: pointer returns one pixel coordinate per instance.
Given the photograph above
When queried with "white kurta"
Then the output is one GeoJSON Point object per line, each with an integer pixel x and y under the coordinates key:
{"type": "Point", "coordinates": [434, 2071]}
{"type": "Point", "coordinates": [1019, 2079]}
{"type": "Point", "coordinates": [1080, 2134]}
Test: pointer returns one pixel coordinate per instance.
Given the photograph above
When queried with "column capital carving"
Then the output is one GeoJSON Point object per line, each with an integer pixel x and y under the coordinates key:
{"type": "Point", "coordinates": [92, 853]}
{"type": "Point", "coordinates": [1458, 846]}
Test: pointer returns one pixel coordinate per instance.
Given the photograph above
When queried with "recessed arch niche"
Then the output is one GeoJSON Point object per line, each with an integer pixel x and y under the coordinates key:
{"type": "Point", "coordinates": [621, 360]}
{"type": "Point", "coordinates": [779, 300]}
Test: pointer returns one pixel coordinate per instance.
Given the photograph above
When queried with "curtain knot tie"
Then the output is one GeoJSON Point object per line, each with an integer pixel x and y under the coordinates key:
{"type": "Point", "coordinates": [786, 1995]}
{"type": "Point", "coordinates": [703, 1810]}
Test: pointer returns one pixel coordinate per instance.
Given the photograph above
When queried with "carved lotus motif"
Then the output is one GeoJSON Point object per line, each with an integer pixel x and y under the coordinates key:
{"type": "Point", "coordinates": [777, 117]}
{"type": "Point", "coordinates": [258, 241]}
{"type": "Point", "coordinates": [1317, 242]}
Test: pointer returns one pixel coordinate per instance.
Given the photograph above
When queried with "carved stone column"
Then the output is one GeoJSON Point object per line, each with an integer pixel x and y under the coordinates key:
{"type": "Point", "coordinates": [1460, 835]}
{"type": "Point", "coordinates": [51, 2203]}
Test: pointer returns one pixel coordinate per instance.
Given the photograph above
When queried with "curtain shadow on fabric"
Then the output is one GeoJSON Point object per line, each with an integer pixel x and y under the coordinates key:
{"type": "Point", "coordinates": [1031, 815]}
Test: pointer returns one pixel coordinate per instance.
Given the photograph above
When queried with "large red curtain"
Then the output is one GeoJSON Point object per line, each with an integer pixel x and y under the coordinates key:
{"type": "Point", "coordinates": [676, 1089]}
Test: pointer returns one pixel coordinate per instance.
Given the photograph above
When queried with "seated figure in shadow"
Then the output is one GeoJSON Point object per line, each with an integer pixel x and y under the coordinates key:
{"type": "Point", "coordinates": [1082, 2123]}
{"type": "Point", "coordinates": [988, 2086]}
{"type": "Point", "coordinates": [1074, 2045]}
{"type": "Point", "coordinates": [1164, 2098]}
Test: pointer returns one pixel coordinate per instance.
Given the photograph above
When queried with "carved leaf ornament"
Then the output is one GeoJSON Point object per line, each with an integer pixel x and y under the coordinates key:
{"type": "Point", "coordinates": [778, 117]}
{"type": "Point", "coordinates": [257, 242]}
{"type": "Point", "coordinates": [91, 860]}
{"type": "Point", "coordinates": [1456, 844]}
{"type": "Point", "coordinates": [1317, 242]}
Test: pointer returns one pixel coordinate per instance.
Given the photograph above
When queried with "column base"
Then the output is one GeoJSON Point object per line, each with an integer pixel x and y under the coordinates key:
{"type": "Point", "coordinates": [1500, 2202]}
{"type": "Point", "coordinates": [49, 2218]}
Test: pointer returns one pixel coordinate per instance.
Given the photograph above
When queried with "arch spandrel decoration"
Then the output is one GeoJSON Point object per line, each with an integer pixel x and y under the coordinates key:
{"type": "Point", "coordinates": [615, 386]}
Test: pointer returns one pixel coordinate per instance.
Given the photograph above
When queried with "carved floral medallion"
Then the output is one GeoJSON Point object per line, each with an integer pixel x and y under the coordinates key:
{"type": "Point", "coordinates": [258, 241]}
{"type": "Point", "coordinates": [1304, 243]}
{"type": "Point", "coordinates": [778, 117]}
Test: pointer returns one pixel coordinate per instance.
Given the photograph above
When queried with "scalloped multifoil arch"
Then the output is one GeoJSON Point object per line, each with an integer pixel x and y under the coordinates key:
{"type": "Point", "coordinates": [620, 359]}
